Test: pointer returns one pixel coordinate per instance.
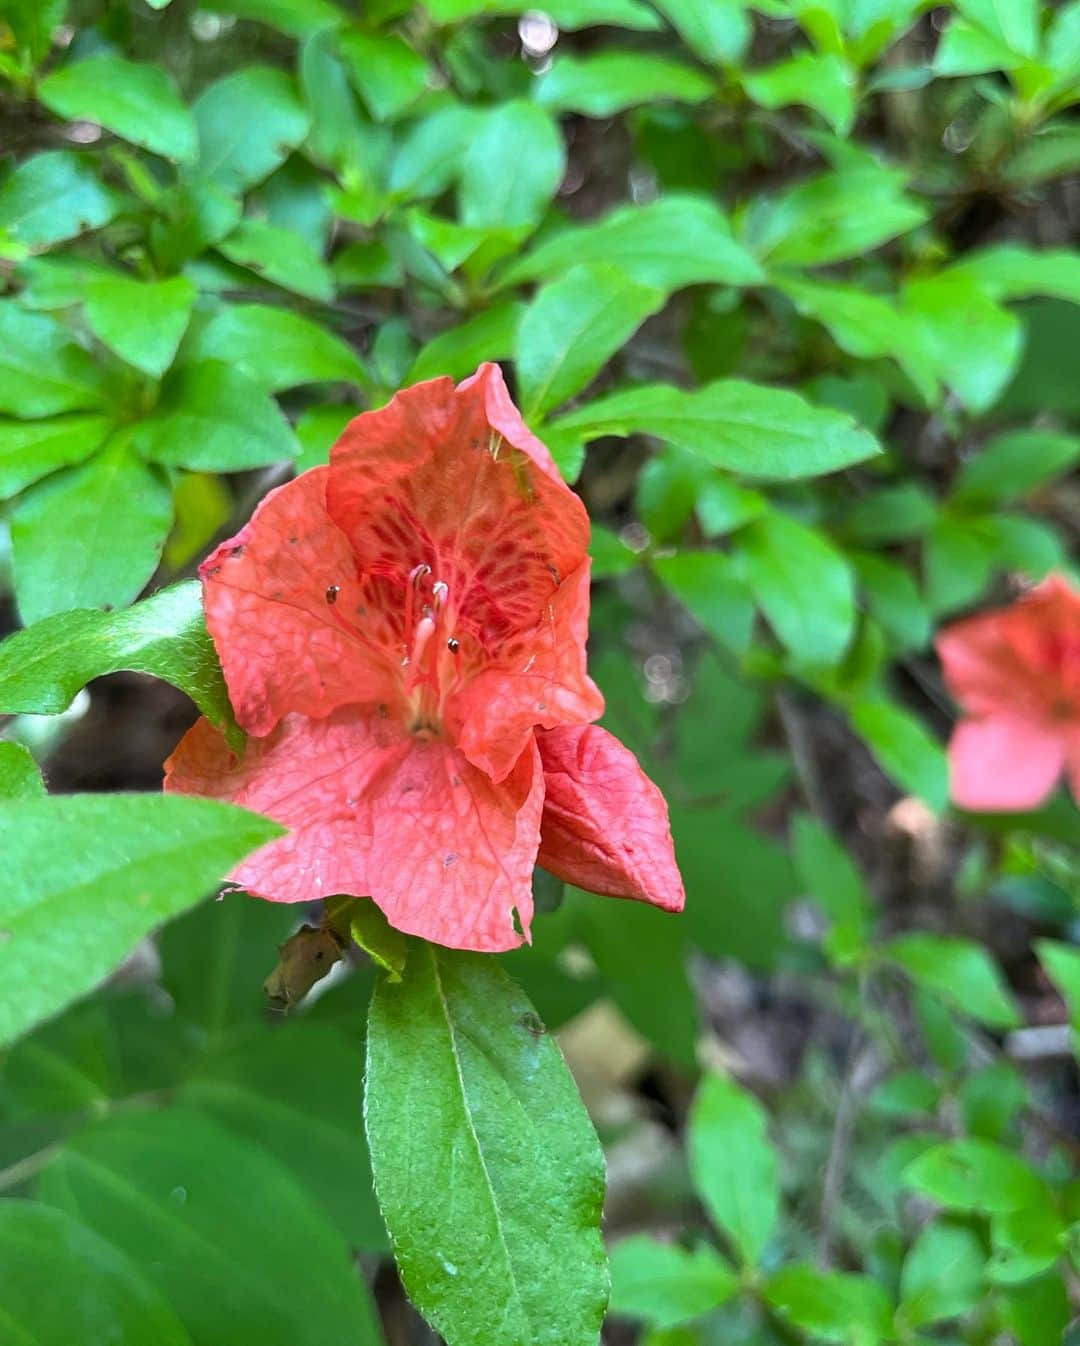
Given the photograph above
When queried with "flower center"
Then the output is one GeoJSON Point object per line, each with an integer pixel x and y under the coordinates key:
{"type": "Point", "coordinates": [428, 645]}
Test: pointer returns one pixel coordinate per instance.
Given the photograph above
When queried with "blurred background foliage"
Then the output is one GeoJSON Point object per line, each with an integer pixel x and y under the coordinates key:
{"type": "Point", "coordinates": [722, 247]}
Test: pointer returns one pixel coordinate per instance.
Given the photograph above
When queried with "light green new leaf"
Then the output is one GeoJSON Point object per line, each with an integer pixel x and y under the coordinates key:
{"type": "Point", "coordinates": [87, 876]}
{"type": "Point", "coordinates": [30, 450]}
{"type": "Point", "coordinates": [572, 328]}
{"type": "Point", "coordinates": [214, 418]}
{"type": "Point", "coordinates": [717, 30]}
{"type": "Point", "coordinates": [276, 348]}
{"type": "Point", "coordinates": [281, 256]}
{"type": "Point", "coordinates": [217, 1224]}
{"type": "Point", "coordinates": [54, 196]}
{"type": "Point", "coordinates": [248, 122]}
{"type": "Point", "coordinates": [43, 370]}
{"type": "Point", "coordinates": [831, 1305]}
{"type": "Point", "coordinates": [708, 585]}
{"type": "Point", "coordinates": [296, 18]}
{"type": "Point", "coordinates": [904, 749]}
{"type": "Point", "coordinates": [514, 162]}
{"type": "Point", "coordinates": [733, 1164]}
{"type": "Point", "coordinates": [822, 81]}
{"type": "Point", "coordinates": [942, 1275]}
{"type": "Point", "coordinates": [32, 23]}
{"type": "Point", "coordinates": [976, 1175]}
{"type": "Point", "coordinates": [137, 102]}
{"type": "Point", "coordinates": [568, 14]}
{"type": "Point", "coordinates": [386, 72]}
{"type": "Point", "coordinates": [91, 536]}
{"type": "Point", "coordinates": [805, 587]}
{"type": "Point", "coordinates": [1010, 272]}
{"type": "Point", "coordinates": [142, 321]}
{"type": "Point", "coordinates": [958, 970]}
{"type": "Point", "coordinates": [664, 1284]}
{"type": "Point", "coordinates": [743, 427]}
{"type": "Point", "coordinates": [611, 81]}
{"type": "Point", "coordinates": [45, 665]}
{"type": "Point", "coordinates": [670, 243]}
{"type": "Point", "coordinates": [45, 1248]}
{"type": "Point", "coordinates": [462, 1078]}
{"type": "Point", "coordinates": [19, 774]}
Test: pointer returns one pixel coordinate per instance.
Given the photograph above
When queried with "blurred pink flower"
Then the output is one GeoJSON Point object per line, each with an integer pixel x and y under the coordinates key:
{"type": "Point", "coordinates": [1016, 674]}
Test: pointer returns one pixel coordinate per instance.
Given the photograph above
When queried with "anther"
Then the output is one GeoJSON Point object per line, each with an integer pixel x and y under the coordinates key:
{"type": "Point", "coordinates": [453, 645]}
{"type": "Point", "coordinates": [332, 592]}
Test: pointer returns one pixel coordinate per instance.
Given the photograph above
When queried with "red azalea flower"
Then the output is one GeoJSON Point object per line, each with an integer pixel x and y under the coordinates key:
{"type": "Point", "coordinates": [403, 636]}
{"type": "Point", "coordinates": [1016, 673]}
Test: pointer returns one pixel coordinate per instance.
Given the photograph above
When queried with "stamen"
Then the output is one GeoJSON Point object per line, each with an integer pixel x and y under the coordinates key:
{"type": "Point", "coordinates": [332, 592]}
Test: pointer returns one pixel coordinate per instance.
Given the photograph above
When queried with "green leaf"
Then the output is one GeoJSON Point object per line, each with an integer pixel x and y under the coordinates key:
{"type": "Point", "coordinates": [103, 1292]}
{"type": "Point", "coordinates": [904, 749]}
{"type": "Point", "coordinates": [19, 774]}
{"type": "Point", "coordinates": [32, 23]}
{"type": "Point", "coordinates": [1062, 963]}
{"type": "Point", "coordinates": [942, 1275]}
{"type": "Point", "coordinates": [832, 878]}
{"type": "Point", "coordinates": [1015, 464]}
{"type": "Point", "coordinates": [462, 1078]}
{"type": "Point", "coordinates": [1009, 272]}
{"type": "Point", "coordinates": [612, 81]}
{"type": "Point", "coordinates": [281, 256]}
{"type": "Point", "coordinates": [297, 1092]}
{"type": "Point", "coordinates": [387, 73]}
{"type": "Point", "coordinates": [317, 430]}
{"type": "Point", "coordinates": [572, 328]}
{"type": "Point", "coordinates": [960, 971]}
{"type": "Point", "coordinates": [733, 1164]}
{"type": "Point", "coordinates": [975, 1175]}
{"type": "Point", "coordinates": [514, 162]}
{"type": "Point", "coordinates": [248, 122]}
{"type": "Point", "coordinates": [832, 216]}
{"type": "Point", "coordinates": [87, 876]}
{"type": "Point", "coordinates": [664, 1284]}
{"type": "Point", "coordinates": [194, 216]}
{"type": "Point", "coordinates": [297, 18]}
{"type": "Point", "coordinates": [670, 243]}
{"type": "Point", "coordinates": [744, 427]}
{"type": "Point", "coordinates": [432, 151]}
{"type": "Point", "coordinates": [44, 666]}
{"type": "Point", "coordinates": [136, 102]}
{"type": "Point", "coordinates": [610, 554]}
{"type": "Point", "coordinates": [717, 30]}
{"type": "Point", "coordinates": [892, 514]}
{"type": "Point", "coordinates": [142, 321]}
{"type": "Point", "coordinates": [214, 418]}
{"type": "Point", "coordinates": [368, 927]}
{"type": "Point", "coordinates": [276, 348]}
{"type": "Point", "coordinates": [830, 1305]}
{"type": "Point", "coordinates": [489, 335]}
{"type": "Point", "coordinates": [43, 370]}
{"type": "Point", "coordinates": [822, 81]}
{"type": "Point", "coordinates": [894, 599]}
{"type": "Point", "coordinates": [218, 1225]}
{"type": "Point", "coordinates": [709, 586]}
{"type": "Point", "coordinates": [54, 196]}
{"type": "Point", "coordinates": [30, 450]}
{"type": "Point", "coordinates": [957, 562]}
{"type": "Point", "coordinates": [91, 536]}
{"type": "Point", "coordinates": [804, 585]}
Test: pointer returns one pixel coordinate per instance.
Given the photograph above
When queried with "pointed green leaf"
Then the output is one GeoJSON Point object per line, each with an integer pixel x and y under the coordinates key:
{"type": "Point", "coordinates": [142, 321]}
{"type": "Point", "coordinates": [276, 348]}
{"type": "Point", "coordinates": [514, 162]}
{"type": "Point", "coordinates": [960, 971]}
{"type": "Point", "coordinates": [248, 122]}
{"type": "Point", "coordinates": [54, 196]}
{"type": "Point", "coordinates": [19, 774]}
{"type": "Point", "coordinates": [30, 450]}
{"type": "Point", "coordinates": [43, 370]}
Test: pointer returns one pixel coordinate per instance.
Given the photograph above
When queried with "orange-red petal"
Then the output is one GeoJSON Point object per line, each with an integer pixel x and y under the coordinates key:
{"type": "Point", "coordinates": [1003, 763]}
{"type": "Point", "coordinates": [605, 826]}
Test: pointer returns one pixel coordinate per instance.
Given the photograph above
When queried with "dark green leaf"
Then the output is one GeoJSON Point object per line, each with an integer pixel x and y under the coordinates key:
{"type": "Point", "coordinates": [43, 667]}
{"type": "Point", "coordinates": [1062, 963]}
{"type": "Point", "coordinates": [572, 328]}
{"type": "Point", "coordinates": [942, 1275]}
{"type": "Point", "coordinates": [297, 18]}
{"type": "Point", "coordinates": [1012, 465]}
{"type": "Point", "coordinates": [53, 196]}
{"type": "Point", "coordinates": [960, 971]}
{"type": "Point", "coordinates": [30, 450]}
{"type": "Point", "coordinates": [904, 748]}
{"type": "Point", "coordinates": [276, 348]}
{"type": "Point", "coordinates": [708, 584]}
{"type": "Point", "coordinates": [218, 1225]}
{"type": "Point", "coordinates": [19, 774]}
{"type": "Point", "coordinates": [734, 1165]}
{"type": "Point", "coordinates": [975, 343]}
{"type": "Point", "coordinates": [744, 427]}
{"type": "Point", "coordinates": [46, 1248]}
{"type": "Point", "coordinates": [717, 30]}
{"type": "Point", "coordinates": [213, 418]}
{"type": "Point", "coordinates": [490, 335]}
{"type": "Point", "coordinates": [247, 124]}
{"type": "Point", "coordinates": [431, 153]}
{"type": "Point", "coordinates": [142, 321]}
{"type": "Point", "coordinates": [281, 256]}
{"type": "Point", "coordinates": [136, 102]}
{"type": "Point", "coordinates": [87, 876]}
{"type": "Point", "coordinates": [387, 72]}
{"type": "Point", "coordinates": [463, 1078]}
{"type": "Point", "coordinates": [819, 80]}
{"type": "Point", "coordinates": [975, 1175]}
{"type": "Point", "coordinates": [830, 1305]}
{"type": "Point", "coordinates": [91, 536]}
{"type": "Point", "coordinates": [831, 877]}
{"type": "Point", "coordinates": [611, 81]}
{"type": "Point", "coordinates": [894, 599]}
